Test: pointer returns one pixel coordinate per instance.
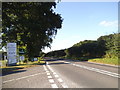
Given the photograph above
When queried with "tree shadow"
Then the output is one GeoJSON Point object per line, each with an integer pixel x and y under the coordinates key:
{"type": "Point", "coordinates": [58, 63]}
{"type": "Point", "coordinates": [12, 70]}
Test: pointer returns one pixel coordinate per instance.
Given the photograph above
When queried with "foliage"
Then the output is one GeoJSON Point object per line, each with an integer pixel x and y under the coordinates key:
{"type": "Point", "coordinates": [87, 48]}
{"type": "Point", "coordinates": [105, 46]}
{"type": "Point", "coordinates": [111, 42]}
{"type": "Point", "coordinates": [57, 53]}
{"type": "Point", "coordinates": [30, 24]}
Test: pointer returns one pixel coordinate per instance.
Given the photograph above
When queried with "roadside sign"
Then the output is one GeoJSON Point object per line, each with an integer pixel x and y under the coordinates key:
{"type": "Point", "coordinates": [22, 58]}
{"type": "Point", "coordinates": [35, 59]}
{"type": "Point", "coordinates": [11, 53]}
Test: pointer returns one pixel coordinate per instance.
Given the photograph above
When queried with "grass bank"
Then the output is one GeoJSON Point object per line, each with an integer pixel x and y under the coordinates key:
{"type": "Point", "coordinates": [112, 61]}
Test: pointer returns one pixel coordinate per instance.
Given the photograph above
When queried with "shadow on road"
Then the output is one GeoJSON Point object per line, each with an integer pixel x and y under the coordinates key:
{"type": "Point", "coordinates": [7, 71]}
{"type": "Point", "coordinates": [57, 63]}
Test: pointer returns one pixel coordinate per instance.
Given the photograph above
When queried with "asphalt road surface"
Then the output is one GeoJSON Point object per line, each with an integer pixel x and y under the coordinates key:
{"type": "Point", "coordinates": [63, 74]}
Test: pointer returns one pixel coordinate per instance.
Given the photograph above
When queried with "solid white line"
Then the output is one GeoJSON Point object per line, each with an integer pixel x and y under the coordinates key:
{"type": "Point", "coordinates": [54, 86]}
{"type": "Point", "coordinates": [98, 70]}
{"type": "Point", "coordinates": [8, 81]}
{"type": "Point", "coordinates": [23, 77]}
{"type": "Point", "coordinates": [51, 80]}
{"type": "Point", "coordinates": [60, 80]}
{"type": "Point", "coordinates": [45, 68]}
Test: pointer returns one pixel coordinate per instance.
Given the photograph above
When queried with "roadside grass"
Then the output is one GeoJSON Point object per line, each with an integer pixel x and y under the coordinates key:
{"type": "Point", "coordinates": [112, 61]}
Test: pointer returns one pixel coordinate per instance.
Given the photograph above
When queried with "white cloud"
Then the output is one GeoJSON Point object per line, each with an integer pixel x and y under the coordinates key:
{"type": "Point", "coordinates": [109, 23]}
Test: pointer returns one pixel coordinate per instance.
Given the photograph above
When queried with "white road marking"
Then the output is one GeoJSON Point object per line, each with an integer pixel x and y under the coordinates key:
{"type": "Point", "coordinates": [98, 70]}
{"type": "Point", "coordinates": [67, 62]}
{"type": "Point", "coordinates": [54, 73]}
{"type": "Point", "coordinates": [46, 63]}
{"type": "Point", "coordinates": [45, 68]}
{"type": "Point", "coordinates": [51, 80]}
{"type": "Point", "coordinates": [22, 77]}
{"type": "Point", "coordinates": [8, 81]}
{"type": "Point", "coordinates": [60, 80]}
{"type": "Point", "coordinates": [54, 86]}
{"type": "Point", "coordinates": [64, 85]}
{"type": "Point", "coordinates": [73, 64]}
{"type": "Point", "coordinates": [49, 76]}
{"type": "Point", "coordinates": [48, 73]}
{"type": "Point", "coordinates": [56, 76]}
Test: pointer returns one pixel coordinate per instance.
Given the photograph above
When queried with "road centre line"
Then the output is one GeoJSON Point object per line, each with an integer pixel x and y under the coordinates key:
{"type": "Point", "coordinates": [54, 73]}
{"type": "Point", "coordinates": [51, 80]}
{"type": "Point", "coordinates": [59, 79]}
{"type": "Point", "coordinates": [49, 76]}
{"type": "Point", "coordinates": [64, 85]}
{"type": "Point", "coordinates": [54, 86]}
{"type": "Point", "coordinates": [97, 70]}
{"type": "Point", "coordinates": [56, 76]}
{"type": "Point", "coordinates": [48, 73]}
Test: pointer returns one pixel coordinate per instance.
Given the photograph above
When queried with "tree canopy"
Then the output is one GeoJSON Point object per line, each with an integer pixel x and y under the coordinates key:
{"type": "Point", "coordinates": [105, 46]}
{"type": "Point", "coordinates": [30, 24]}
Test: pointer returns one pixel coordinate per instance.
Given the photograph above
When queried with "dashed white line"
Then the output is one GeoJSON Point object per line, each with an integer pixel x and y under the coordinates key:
{"type": "Point", "coordinates": [64, 85]}
{"type": "Point", "coordinates": [51, 80]}
{"type": "Point", "coordinates": [60, 80]}
{"type": "Point", "coordinates": [48, 73]}
{"type": "Point", "coordinates": [54, 73]}
{"type": "Point", "coordinates": [56, 76]}
{"type": "Point", "coordinates": [49, 76]}
{"type": "Point", "coordinates": [54, 86]}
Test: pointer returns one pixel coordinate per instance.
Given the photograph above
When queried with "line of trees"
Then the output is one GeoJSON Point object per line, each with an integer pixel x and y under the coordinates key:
{"type": "Point", "coordinates": [32, 25]}
{"type": "Point", "coordinates": [105, 46]}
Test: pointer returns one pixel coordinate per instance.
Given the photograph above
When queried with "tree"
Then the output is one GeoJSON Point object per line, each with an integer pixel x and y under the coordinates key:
{"type": "Point", "coordinates": [30, 24]}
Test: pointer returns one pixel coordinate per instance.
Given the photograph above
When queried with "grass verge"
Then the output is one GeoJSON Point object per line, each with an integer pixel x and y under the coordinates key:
{"type": "Point", "coordinates": [112, 61]}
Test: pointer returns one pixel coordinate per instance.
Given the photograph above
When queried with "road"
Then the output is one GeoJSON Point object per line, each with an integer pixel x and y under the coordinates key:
{"type": "Point", "coordinates": [64, 74]}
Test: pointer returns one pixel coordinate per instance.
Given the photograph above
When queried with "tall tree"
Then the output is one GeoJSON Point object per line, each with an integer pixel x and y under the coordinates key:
{"type": "Point", "coordinates": [30, 24]}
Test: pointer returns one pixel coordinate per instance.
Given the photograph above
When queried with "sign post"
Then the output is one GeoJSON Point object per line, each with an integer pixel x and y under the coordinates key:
{"type": "Point", "coordinates": [11, 53]}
